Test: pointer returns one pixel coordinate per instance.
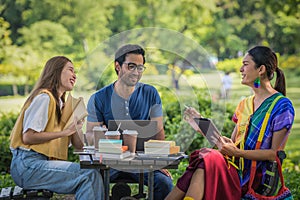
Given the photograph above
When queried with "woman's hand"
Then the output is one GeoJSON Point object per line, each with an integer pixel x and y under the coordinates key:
{"type": "Point", "coordinates": [221, 141]}
{"type": "Point", "coordinates": [191, 113]}
{"type": "Point", "coordinates": [226, 139]}
{"type": "Point", "coordinates": [229, 148]}
{"type": "Point", "coordinates": [33, 137]}
{"type": "Point", "coordinates": [75, 131]}
{"type": "Point", "coordinates": [76, 126]}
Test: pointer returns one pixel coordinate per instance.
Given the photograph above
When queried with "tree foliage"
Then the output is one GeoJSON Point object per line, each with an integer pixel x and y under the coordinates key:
{"type": "Point", "coordinates": [225, 28]}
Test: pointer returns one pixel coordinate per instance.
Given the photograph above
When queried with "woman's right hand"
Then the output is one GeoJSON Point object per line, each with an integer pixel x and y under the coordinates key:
{"type": "Point", "coordinates": [76, 126]}
{"type": "Point", "coordinates": [191, 113]}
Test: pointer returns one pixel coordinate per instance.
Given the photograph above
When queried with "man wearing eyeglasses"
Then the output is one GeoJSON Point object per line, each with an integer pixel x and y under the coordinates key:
{"type": "Point", "coordinates": [127, 98]}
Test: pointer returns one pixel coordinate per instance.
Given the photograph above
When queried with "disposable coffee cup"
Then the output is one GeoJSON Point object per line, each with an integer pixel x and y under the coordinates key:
{"type": "Point", "coordinates": [115, 135]}
{"type": "Point", "coordinates": [130, 139]}
{"type": "Point", "coordinates": [98, 132]}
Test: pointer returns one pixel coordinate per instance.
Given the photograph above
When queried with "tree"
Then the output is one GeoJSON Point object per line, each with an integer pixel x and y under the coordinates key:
{"type": "Point", "coordinates": [186, 17]}
{"type": "Point", "coordinates": [6, 69]}
{"type": "Point", "coordinates": [263, 23]}
{"type": "Point", "coordinates": [46, 37]}
{"type": "Point", "coordinates": [39, 41]}
{"type": "Point", "coordinates": [225, 28]}
{"type": "Point", "coordinates": [11, 11]}
{"type": "Point", "coordinates": [5, 40]}
{"type": "Point", "coordinates": [24, 65]}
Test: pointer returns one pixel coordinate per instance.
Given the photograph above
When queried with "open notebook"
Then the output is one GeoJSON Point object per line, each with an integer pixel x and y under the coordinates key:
{"type": "Point", "coordinates": [79, 110]}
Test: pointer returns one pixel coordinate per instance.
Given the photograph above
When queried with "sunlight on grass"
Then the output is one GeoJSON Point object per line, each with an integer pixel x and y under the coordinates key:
{"type": "Point", "coordinates": [11, 104]}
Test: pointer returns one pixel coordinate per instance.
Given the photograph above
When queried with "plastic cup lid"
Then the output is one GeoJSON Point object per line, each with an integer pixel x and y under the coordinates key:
{"type": "Point", "coordinates": [99, 128]}
{"type": "Point", "coordinates": [112, 133]}
{"type": "Point", "coordinates": [130, 132]}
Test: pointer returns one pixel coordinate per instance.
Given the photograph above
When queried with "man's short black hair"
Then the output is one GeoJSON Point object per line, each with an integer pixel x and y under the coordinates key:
{"type": "Point", "coordinates": [122, 52]}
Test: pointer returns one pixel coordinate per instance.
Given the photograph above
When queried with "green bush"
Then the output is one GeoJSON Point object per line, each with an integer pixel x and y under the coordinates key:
{"type": "Point", "coordinates": [7, 122]}
{"type": "Point", "coordinates": [6, 89]}
{"type": "Point", "coordinates": [289, 62]}
{"type": "Point", "coordinates": [6, 180]}
{"type": "Point", "coordinates": [291, 180]}
{"type": "Point", "coordinates": [292, 73]}
{"type": "Point", "coordinates": [230, 65]}
{"type": "Point", "coordinates": [180, 131]}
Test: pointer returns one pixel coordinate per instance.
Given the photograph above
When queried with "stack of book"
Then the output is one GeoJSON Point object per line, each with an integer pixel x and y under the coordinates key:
{"type": "Point", "coordinates": [112, 149]}
{"type": "Point", "coordinates": [161, 147]}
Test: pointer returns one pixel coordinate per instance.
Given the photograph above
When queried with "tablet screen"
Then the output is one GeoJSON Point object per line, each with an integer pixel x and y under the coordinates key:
{"type": "Point", "coordinates": [208, 129]}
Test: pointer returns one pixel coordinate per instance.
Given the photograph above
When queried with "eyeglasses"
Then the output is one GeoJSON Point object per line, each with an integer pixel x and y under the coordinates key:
{"type": "Point", "coordinates": [133, 66]}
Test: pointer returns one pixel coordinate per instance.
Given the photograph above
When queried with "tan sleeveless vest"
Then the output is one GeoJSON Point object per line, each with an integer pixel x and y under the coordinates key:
{"type": "Point", "coordinates": [57, 148]}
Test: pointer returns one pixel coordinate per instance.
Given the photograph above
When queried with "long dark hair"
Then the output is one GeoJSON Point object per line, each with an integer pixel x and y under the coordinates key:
{"type": "Point", "coordinates": [263, 55]}
{"type": "Point", "coordinates": [50, 79]}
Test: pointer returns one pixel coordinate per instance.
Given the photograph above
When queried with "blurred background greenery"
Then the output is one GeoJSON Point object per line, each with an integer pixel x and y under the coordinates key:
{"type": "Point", "coordinates": [32, 31]}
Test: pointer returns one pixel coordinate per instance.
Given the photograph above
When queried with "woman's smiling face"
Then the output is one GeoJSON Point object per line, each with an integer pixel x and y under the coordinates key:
{"type": "Point", "coordinates": [249, 71]}
{"type": "Point", "coordinates": [68, 77]}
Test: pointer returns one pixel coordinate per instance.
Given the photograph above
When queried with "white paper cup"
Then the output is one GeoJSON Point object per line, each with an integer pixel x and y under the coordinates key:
{"type": "Point", "coordinates": [99, 132]}
{"type": "Point", "coordinates": [130, 139]}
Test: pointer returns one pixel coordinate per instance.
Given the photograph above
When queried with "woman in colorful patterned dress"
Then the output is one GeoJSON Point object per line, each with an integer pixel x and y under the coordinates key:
{"type": "Point", "coordinates": [210, 175]}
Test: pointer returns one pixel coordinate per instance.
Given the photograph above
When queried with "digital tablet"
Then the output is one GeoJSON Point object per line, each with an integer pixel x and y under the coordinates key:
{"type": "Point", "coordinates": [208, 129]}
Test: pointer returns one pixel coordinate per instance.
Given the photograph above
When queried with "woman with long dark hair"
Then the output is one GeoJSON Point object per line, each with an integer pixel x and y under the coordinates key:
{"type": "Point", "coordinates": [40, 140]}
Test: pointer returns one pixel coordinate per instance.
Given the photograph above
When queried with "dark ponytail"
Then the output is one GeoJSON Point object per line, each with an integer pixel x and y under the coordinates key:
{"type": "Point", "coordinates": [280, 82]}
{"type": "Point", "coordinates": [263, 55]}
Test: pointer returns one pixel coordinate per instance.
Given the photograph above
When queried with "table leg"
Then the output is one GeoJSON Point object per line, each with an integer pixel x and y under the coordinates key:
{"type": "Point", "coordinates": [106, 183]}
{"type": "Point", "coordinates": [141, 184]}
{"type": "Point", "coordinates": [150, 185]}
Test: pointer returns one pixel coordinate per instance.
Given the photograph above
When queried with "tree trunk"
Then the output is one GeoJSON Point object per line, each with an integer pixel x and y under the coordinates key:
{"type": "Point", "coordinates": [176, 83]}
{"type": "Point", "coordinates": [26, 89]}
{"type": "Point", "coordinates": [15, 89]}
{"type": "Point", "coordinates": [173, 78]}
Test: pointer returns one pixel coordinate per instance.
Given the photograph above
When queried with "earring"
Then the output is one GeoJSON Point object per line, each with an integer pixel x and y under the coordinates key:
{"type": "Point", "coordinates": [257, 82]}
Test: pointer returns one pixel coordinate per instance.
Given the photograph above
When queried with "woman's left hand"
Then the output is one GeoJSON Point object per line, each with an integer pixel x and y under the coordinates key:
{"type": "Point", "coordinates": [226, 139]}
{"type": "Point", "coordinates": [229, 149]}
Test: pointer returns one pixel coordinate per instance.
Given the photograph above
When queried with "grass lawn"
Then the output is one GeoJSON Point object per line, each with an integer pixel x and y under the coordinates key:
{"type": "Point", "coordinates": [11, 104]}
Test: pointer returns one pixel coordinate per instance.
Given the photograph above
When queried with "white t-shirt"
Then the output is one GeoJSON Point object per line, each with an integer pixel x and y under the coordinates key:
{"type": "Point", "coordinates": [227, 82]}
{"type": "Point", "coordinates": [36, 115]}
